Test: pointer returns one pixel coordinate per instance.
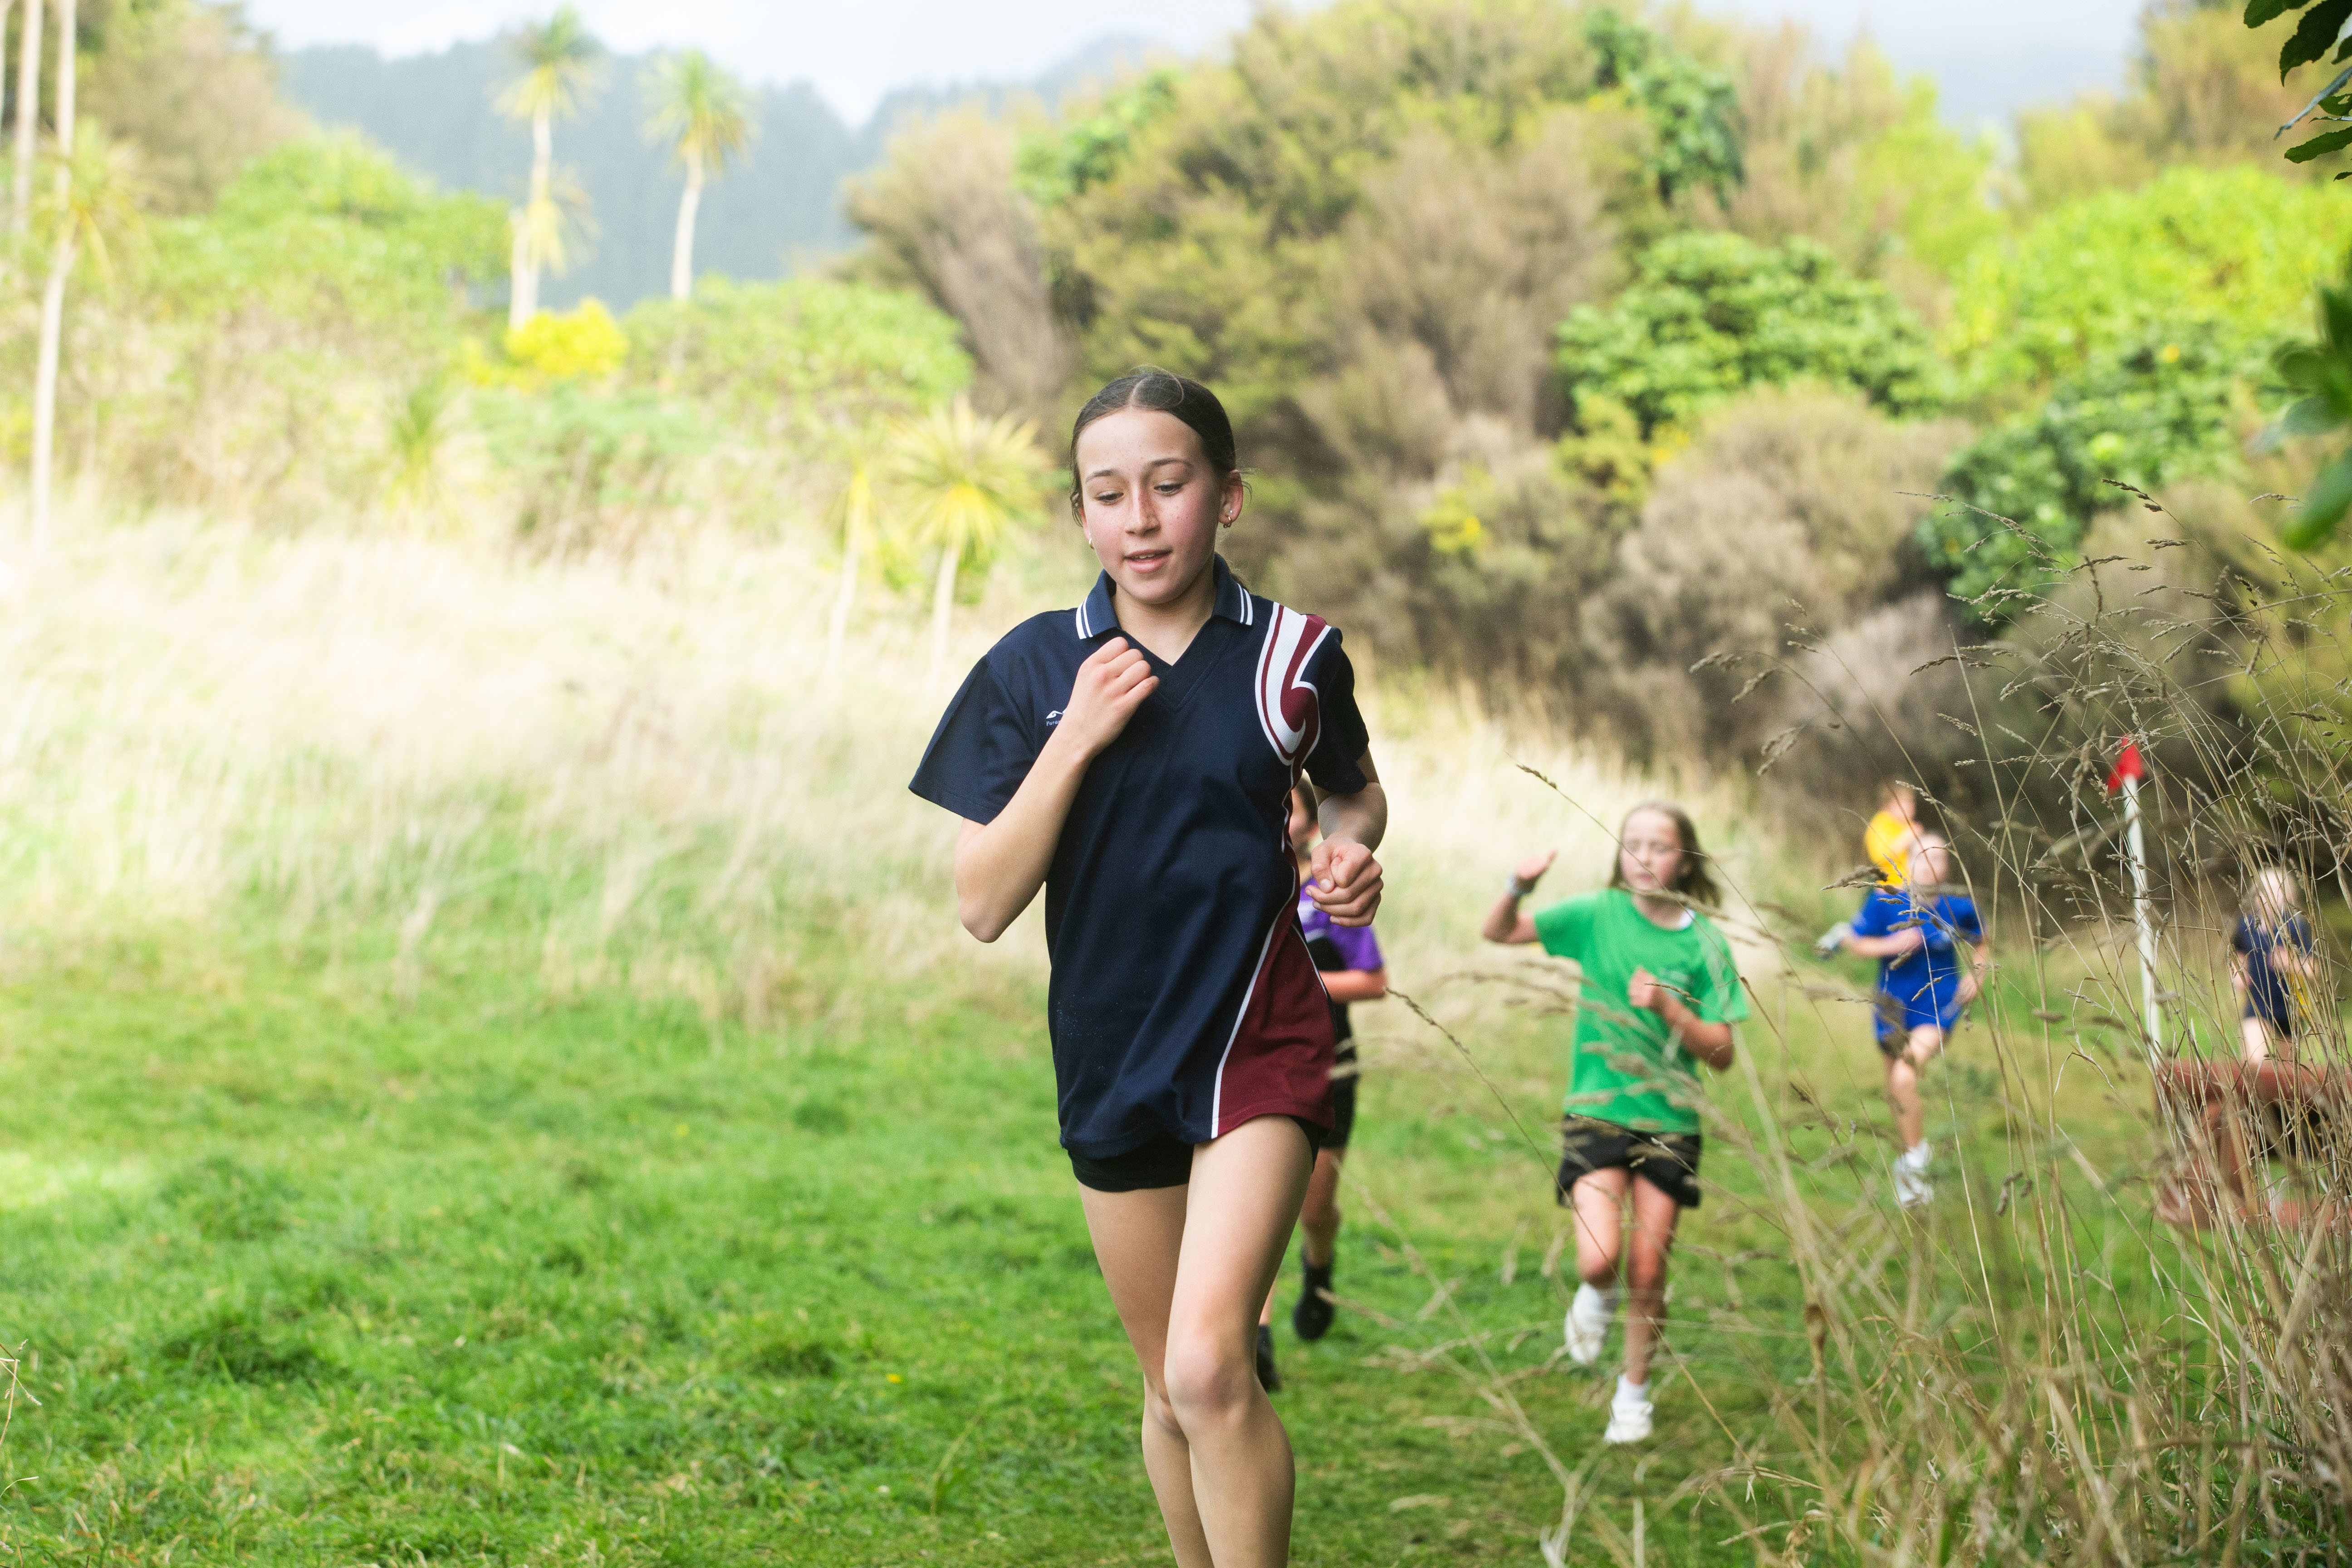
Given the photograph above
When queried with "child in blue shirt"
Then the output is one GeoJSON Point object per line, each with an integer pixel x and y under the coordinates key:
{"type": "Point", "coordinates": [2271, 963]}
{"type": "Point", "coordinates": [1916, 932]}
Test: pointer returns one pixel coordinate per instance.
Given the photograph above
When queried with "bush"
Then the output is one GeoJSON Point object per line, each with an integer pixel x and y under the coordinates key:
{"type": "Point", "coordinates": [810, 359]}
{"type": "Point", "coordinates": [2234, 250]}
{"type": "Point", "coordinates": [2165, 408]}
{"type": "Point", "coordinates": [1709, 315]}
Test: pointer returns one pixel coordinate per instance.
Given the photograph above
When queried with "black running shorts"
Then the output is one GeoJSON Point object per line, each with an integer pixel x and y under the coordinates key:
{"type": "Point", "coordinates": [1667, 1161]}
{"type": "Point", "coordinates": [1343, 1099]}
{"type": "Point", "coordinates": [1163, 1162]}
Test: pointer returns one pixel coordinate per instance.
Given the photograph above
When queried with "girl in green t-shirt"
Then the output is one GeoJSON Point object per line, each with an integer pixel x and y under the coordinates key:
{"type": "Point", "coordinates": [1659, 993]}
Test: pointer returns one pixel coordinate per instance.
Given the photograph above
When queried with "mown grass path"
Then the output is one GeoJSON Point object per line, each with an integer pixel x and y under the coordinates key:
{"type": "Point", "coordinates": [305, 1274]}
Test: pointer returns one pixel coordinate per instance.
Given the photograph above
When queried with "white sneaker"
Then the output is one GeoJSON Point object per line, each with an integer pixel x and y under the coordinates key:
{"type": "Point", "coordinates": [1588, 1323]}
{"type": "Point", "coordinates": [1912, 1188]}
{"type": "Point", "coordinates": [1628, 1421]}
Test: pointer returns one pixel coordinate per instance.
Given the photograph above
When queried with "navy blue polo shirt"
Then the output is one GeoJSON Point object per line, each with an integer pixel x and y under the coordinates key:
{"type": "Point", "coordinates": [1183, 1000]}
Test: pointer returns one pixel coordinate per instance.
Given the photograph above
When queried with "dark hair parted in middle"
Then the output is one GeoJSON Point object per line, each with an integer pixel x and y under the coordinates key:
{"type": "Point", "coordinates": [1692, 879]}
{"type": "Point", "coordinates": [1162, 392]}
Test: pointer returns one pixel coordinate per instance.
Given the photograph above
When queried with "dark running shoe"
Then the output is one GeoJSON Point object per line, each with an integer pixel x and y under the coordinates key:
{"type": "Point", "coordinates": [1267, 1378]}
{"type": "Point", "coordinates": [1311, 1318]}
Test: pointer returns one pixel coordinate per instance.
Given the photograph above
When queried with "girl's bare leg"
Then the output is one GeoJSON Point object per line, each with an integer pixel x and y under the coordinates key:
{"type": "Point", "coordinates": [1597, 1201]}
{"type": "Point", "coordinates": [1244, 1198]}
{"type": "Point", "coordinates": [1903, 1084]}
{"type": "Point", "coordinates": [1654, 1214]}
{"type": "Point", "coordinates": [1138, 1238]}
{"type": "Point", "coordinates": [2256, 1033]}
{"type": "Point", "coordinates": [1318, 1220]}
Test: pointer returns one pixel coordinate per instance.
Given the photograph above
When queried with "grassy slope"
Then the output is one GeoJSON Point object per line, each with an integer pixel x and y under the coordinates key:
{"type": "Point", "coordinates": [388, 1172]}
{"type": "Point", "coordinates": [308, 1274]}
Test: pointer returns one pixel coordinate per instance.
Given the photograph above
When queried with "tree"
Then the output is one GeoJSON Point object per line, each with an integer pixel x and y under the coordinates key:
{"type": "Point", "coordinates": [78, 204]}
{"type": "Point", "coordinates": [28, 115]}
{"type": "Point", "coordinates": [561, 64]}
{"type": "Point", "coordinates": [967, 483]}
{"type": "Point", "coordinates": [704, 113]}
{"type": "Point", "coordinates": [857, 518]}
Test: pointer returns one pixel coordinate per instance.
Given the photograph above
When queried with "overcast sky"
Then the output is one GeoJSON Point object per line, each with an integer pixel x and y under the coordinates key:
{"type": "Point", "coordinates": [1992, 55]}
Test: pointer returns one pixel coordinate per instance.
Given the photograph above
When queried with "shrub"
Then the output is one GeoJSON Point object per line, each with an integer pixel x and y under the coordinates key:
{"type": "Point", "coordinates": [1709, 315]}
{"type": "Point", "coordinates": [2234, 250]}
{"type": "Point", "coordinates": [2162, 409]}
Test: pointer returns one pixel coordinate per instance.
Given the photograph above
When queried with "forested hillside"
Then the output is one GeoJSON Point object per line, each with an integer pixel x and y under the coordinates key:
{"type": "Point", "coordinates": [780, 212]}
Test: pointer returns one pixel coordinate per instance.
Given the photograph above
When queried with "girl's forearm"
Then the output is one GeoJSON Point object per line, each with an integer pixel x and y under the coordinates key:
{"type": "Point", "coordinates": [1000, 865]}
{"type": "Point", "coordinates": [1362, 816]}
{"type": "Point", "coordinates": [1710, 1043]}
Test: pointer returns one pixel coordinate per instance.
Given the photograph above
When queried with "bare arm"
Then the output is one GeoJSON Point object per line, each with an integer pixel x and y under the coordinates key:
{"type": "Point", "coordinates": [1504, 922]}
{"type": "Point", "coordinates": [1972, 982]}
{"type": "Point", "coordinates": [1000, 865]}
{"type": "Point", "coordinates": [1342, 877]}
{"type": "Point", "coordinates": [1710, 1043]}
{"type": "Point", "coordinates": [1893, 946]}
{"type": "Point", "coordinates": [1356, 985]}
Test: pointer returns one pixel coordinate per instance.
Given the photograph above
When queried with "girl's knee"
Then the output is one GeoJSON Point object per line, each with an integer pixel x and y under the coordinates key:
{"type": "Point", "coordinates": [1205, 1379]}
{"type": "Point", "coordinates": [1158, 1412]}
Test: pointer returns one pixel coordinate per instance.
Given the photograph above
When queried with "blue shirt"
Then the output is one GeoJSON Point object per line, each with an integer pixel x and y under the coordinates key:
{"type": "Point", "coordinates": [1924, 983]}
{"type": "Point", "coordinates": [2268, 991]}
{"type": "Point", "coordinates": [1183, 1000]}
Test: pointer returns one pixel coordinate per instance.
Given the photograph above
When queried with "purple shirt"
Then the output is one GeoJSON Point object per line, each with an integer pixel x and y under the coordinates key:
{"type": "Point", "coordinates": [1337, 947]}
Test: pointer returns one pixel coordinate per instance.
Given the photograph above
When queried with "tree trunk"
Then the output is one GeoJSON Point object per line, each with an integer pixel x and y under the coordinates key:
{"type": "Point", "coordinates": [28, 115]}
{"type": "Point", "coordinates": [681, 250]}
{"type": "Point", "coordinates": [53, 298]}
{"type": "Point", "coordinates": [523, 293]}
{"type": "Point", "coordinates": [66, 56]}
{"type": "Point", "coordinates": [942, 601]}
{"type": "Point", "coordinates": [45, 384]}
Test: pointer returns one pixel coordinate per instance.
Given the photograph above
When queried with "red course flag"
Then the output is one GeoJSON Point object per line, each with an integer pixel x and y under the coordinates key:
{"type": "Point", "coordinates": [2128, 766]}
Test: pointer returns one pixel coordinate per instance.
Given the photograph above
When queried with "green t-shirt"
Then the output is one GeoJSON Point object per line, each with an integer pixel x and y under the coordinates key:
{"type": "Point", "coordinates": [1627, 1070]}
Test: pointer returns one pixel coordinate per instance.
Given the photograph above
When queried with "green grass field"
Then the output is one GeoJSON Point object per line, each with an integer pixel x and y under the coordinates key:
{"type": "Point", "coordinates": [302, 1272]}
{"type": "Point", "coordinates": [491, 1077]}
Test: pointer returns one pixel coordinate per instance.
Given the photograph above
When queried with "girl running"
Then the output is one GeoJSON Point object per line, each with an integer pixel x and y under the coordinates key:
{"type": "Point", "coordinates": [1348, 959]}
{"type": "Point", "coordinates": [2271, 963]}
{"type": "Point", "coordinates": [1135, 757]}
{"type": "Point", "coordinates": [1658, 991]}
{"type": "Point", "coordinates": [1915, 933]}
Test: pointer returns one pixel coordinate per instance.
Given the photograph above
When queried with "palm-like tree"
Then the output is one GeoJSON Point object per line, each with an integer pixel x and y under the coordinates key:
{"type": "Point", "coordinates": [98, 196]}
{"type": "Point", "coordinates": [705, 115]}
{"type": "Point", "coordinates": [561, 64]}
{"type": "Point", "coordinates": [28, 115]}
{"type": "Point", "coordinates": [968, 483]}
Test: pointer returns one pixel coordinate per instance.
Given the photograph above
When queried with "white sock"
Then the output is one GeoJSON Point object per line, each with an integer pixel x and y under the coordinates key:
{"type": "Point", "coordinates": [1916, 1159]}
{"type": "Point", "coordinates": [1632, 1393]}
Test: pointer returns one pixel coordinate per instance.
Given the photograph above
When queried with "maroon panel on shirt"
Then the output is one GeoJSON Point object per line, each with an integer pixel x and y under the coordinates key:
{"type": "Point", "coordinates": [1279, 1063]}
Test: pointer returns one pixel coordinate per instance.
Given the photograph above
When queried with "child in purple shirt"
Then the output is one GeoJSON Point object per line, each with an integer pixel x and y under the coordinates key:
{"type": "Point", "coordinates": [1348, 959]}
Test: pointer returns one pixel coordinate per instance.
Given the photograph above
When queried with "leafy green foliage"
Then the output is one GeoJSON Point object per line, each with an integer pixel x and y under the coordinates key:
{"type": "Point", "coordinates": [1693, 112]}
{"type": "Point", "coordinates": [2237, 247]}
{"type": "Point", "coordinates": [2320, 375]}
{"type": "Point", "coordinates": [810, 357]}
{"type": "Point", "coordinates": [330, 225]}
{"type": "Point", "coordinates": [1056, 165]}
{"type": "Point", "coordinates": [591, 468]}
{"type": "Point", "coordinates": [1711, 314]}
{"type": "Point", "coordinates": [2144, 415]}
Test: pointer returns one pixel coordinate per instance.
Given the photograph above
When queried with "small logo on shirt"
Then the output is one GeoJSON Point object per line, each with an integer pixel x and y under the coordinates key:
{"type": "Point", "coordinates": [1054, 717]}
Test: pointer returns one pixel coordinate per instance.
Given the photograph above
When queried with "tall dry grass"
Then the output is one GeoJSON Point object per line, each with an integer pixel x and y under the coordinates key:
{"type": "Point", "coordinates": [2100, 1346]}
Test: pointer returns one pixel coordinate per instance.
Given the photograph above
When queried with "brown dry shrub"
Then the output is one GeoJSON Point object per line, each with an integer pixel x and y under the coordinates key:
{"type": "Point", "coordinates": [945, 219]}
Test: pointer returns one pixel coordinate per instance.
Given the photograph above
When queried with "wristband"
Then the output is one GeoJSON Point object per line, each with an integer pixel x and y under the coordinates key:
{"type": "Point", "coordinates": [1519, 889]}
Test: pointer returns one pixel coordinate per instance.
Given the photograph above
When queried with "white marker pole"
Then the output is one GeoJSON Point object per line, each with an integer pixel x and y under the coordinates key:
{"type": "Point", "coordinates": [2142, 914]}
